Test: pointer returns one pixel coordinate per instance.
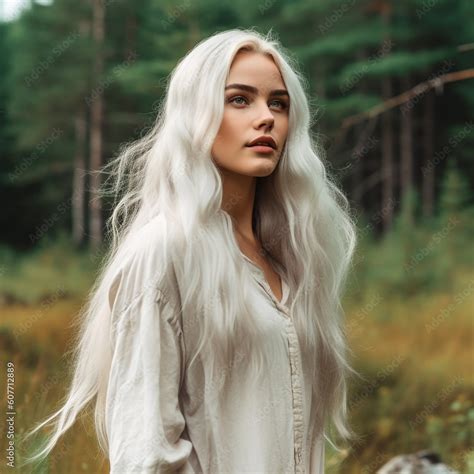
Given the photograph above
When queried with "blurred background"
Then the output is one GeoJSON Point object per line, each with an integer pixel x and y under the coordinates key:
{"type": "Point", "coordinates": [391, 85]}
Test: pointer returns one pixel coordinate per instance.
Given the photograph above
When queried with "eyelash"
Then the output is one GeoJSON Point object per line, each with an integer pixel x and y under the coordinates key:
{"type": "Point", "coordinates": [284, 105]}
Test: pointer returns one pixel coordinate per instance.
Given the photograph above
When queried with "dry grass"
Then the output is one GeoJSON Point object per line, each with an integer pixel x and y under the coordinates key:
{"type": "Point", "coordinates": [414, 372]}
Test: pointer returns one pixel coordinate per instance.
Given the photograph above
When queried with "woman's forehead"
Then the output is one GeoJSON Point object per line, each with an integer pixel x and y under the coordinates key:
{"type": "Point", "coordinates": [255, 69]}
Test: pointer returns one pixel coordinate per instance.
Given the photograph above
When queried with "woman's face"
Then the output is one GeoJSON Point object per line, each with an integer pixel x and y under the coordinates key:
{"type": "Point", "coordinates": [256, 104]}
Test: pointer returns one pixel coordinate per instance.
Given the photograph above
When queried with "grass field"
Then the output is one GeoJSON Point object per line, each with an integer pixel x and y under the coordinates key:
{"type": "Point", "coordinates": [414, 352]}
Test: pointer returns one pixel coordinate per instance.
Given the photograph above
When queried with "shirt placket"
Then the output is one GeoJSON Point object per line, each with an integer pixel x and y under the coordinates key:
{"type": "Point", "coordinates": [296, 388]}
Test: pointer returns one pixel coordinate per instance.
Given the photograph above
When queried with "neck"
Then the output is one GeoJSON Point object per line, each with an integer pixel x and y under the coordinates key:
{"type": "Point", "coordinates": [238, 201]}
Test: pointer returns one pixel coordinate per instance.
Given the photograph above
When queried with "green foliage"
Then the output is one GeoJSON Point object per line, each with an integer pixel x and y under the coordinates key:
{"type": "Point", "coordinates": [48, 63]}
{"type": "Point", "coordinates": [401, 412]}
{"type": "Point", "coordinates": [346, 49]}
{"type": "Point", "coordinates": [456, 218]}
{"type": "Point", "coordinates": [54, 270]}
{"type": "Point", "coordinates": [418, 256]}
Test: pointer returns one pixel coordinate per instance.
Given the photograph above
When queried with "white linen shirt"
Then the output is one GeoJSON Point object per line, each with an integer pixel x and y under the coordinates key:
{"type": "Point", "coordinates": [160, 414]}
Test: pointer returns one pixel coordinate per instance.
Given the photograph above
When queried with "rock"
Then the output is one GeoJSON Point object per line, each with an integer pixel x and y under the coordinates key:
{"type": "Point", "coordinates": [421, 462]}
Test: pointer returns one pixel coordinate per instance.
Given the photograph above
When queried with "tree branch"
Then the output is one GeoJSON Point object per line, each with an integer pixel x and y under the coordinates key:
{"type": "Point", "coordinates": [406, 96]}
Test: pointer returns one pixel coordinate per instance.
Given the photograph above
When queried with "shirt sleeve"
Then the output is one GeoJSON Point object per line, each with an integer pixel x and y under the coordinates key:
{"type": "Point", "coordinates": [318, 456]}
{"type": "Point", "coordinates": [143, 416]}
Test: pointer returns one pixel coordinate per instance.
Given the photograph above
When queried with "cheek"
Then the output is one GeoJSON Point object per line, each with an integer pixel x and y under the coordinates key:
{"type": "Point", "coordinates": [284, 127]}
{"type": "Point", "coordinates": [223, 144]}
{"type": "Point", "coordinates": [221, 136]}
{"type": "Point", "coordinates": [229, 134]}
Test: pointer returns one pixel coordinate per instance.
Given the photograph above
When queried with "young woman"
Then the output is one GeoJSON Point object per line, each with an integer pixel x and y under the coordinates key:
{"type": "Point", "coordinates": [213, 339]}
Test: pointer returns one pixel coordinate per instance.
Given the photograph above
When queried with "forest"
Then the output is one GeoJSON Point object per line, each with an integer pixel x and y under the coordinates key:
{"type": "Point", "coordinates": [391, 89]}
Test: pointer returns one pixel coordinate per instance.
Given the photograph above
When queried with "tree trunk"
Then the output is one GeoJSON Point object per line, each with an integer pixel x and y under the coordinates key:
{"type": "Point", "coordinates": [78, 185]}
{"type": "Point", "coordinates": [406, 147]}
{"type": "Point", "coordinates": [428, 139]}
{"type": "Point", "coordinates": [98, 14]}
{"type": "Point", "coordinates": [388, 176]}
{"type": "Point", "coordinates": [130, 34]}
{"type": "Point", "coordinates": [359, 156]}
{"type": "Point", "coordinates": [361, 150]}
{"type": "Point", "coordinates": [388, 184]}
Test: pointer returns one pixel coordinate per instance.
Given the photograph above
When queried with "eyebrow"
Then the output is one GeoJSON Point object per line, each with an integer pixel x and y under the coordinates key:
{"type": "Point", "coordinates": [254, 90]}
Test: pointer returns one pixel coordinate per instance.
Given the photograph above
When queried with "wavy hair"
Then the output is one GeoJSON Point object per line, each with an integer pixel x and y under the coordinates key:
{"type": "Point", "coordinates": [300, 218]}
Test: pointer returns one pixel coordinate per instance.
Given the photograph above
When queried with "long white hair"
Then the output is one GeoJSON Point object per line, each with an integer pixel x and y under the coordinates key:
{"type": "Point", "coordinates": [300, 217]}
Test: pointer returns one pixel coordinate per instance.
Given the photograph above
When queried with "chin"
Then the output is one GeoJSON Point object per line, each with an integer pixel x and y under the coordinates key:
{"type": "Point", "coordinates": [262, 171]}
{"type": "Point", "coordinates": [265, 172]}
{"type": "Point", "coordinates": [256, 168]}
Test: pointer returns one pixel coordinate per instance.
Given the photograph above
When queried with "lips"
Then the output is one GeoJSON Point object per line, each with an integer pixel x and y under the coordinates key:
{"type": "Point", "coordinates": [263, 140]}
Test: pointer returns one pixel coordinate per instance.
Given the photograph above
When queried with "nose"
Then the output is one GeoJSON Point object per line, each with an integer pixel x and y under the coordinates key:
{"type": "Point", "coordinates": [264, 117]}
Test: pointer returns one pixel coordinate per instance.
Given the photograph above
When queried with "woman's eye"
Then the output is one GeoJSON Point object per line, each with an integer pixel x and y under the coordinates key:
{"type": "Point", "coordinates": [282, 104]}
{"type": "Point", "coordinates": [236, 98]}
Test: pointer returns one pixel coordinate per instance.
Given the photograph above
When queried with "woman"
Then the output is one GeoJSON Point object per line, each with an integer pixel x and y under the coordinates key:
{"type": "Point", "coordinates": [213, 341]}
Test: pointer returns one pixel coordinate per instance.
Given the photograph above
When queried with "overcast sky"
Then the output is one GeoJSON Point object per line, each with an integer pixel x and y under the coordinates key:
{"type": "Point", "coordinates": [10, 9]}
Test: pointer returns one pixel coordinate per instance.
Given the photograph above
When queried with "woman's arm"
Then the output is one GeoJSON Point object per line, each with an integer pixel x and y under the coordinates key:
{"type": "Point", "coordinates": [144, 421]}
{"type": "Point", "coordinates": [317, 459]}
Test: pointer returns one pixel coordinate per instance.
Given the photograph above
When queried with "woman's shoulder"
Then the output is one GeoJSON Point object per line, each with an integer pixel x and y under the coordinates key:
{"type": "Point", "coordinates": [146, 262]}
